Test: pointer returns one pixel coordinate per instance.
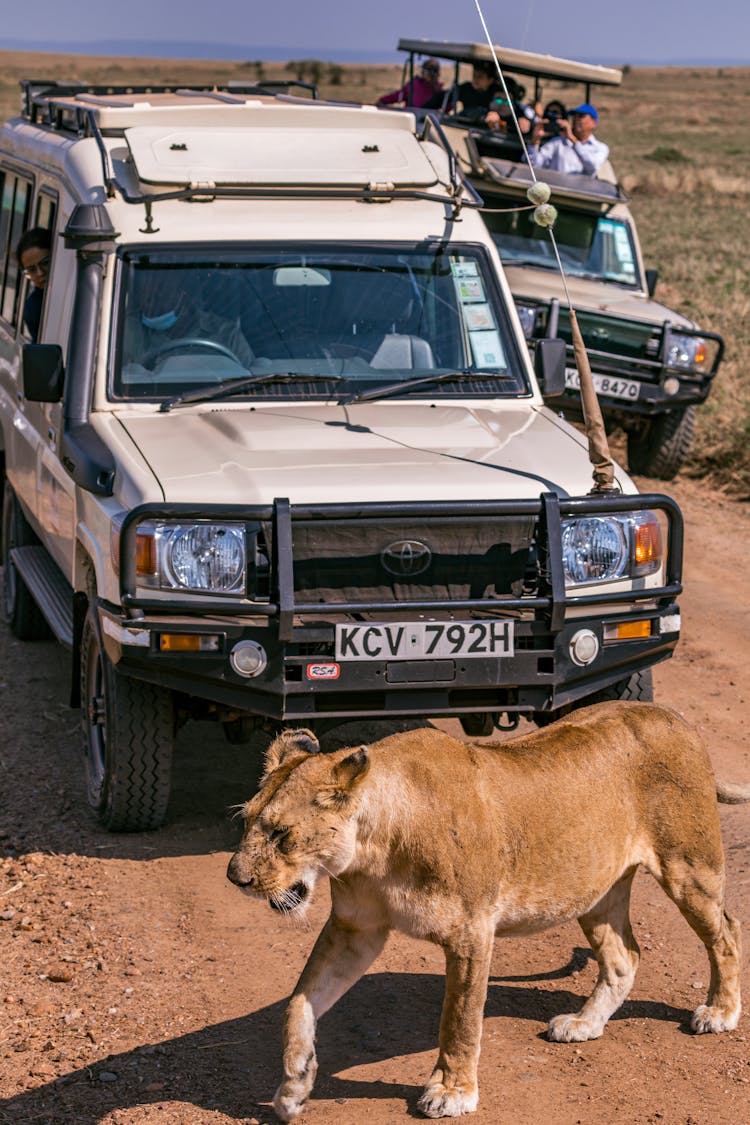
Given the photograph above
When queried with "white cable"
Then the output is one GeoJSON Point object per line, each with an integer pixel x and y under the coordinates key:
{"type": "Point", "coordinates": [527, 158]}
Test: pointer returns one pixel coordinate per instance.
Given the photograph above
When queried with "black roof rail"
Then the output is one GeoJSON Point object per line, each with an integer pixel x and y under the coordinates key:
{"type": "Point", "coordinates": [39, 92]}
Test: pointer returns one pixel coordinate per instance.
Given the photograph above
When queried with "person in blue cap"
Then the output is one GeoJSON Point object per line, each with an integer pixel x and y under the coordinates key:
{"type": "Point", "coordinates": [575, 149]}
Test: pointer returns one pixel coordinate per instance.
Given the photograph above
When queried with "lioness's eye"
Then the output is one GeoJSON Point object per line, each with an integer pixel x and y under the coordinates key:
{"type": "Point", "coordinates": [277, 834]}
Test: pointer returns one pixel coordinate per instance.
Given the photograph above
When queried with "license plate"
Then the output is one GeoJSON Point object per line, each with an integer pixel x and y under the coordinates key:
{"type": "Point", "coordinates": [424, 639]}
{"type": "Point", "coordinates": [605, 384]}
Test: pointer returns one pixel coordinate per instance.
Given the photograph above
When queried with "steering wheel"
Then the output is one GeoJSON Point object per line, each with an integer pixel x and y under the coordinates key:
{"type": "Point", "coordinates": [188, 342]}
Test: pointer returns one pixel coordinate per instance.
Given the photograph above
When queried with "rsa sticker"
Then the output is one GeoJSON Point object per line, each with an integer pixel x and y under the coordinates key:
{"type": "Point", "coordinates": [323, 671]}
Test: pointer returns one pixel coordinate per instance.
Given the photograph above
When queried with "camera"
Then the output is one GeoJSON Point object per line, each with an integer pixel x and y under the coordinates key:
{"type": "Point", "coordinates": [552, 123]}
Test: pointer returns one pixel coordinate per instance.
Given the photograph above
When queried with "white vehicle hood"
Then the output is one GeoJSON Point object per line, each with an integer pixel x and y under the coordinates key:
{"type": "Point", "coordinates": [593, 296]}
{"type": "Point", "coordinates": [385, 451]}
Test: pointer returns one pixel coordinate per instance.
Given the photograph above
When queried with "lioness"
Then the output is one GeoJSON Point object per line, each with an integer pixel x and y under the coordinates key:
{"type": "Point", "coordinates": [456, 843]}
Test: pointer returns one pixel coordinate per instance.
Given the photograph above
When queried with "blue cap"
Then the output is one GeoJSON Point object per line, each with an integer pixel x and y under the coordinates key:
{"type": "Point", "coordinates": [585, 108]}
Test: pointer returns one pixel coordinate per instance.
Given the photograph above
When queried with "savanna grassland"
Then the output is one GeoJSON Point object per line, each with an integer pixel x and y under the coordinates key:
{"type": "Point", "coordinates": [680, 141]}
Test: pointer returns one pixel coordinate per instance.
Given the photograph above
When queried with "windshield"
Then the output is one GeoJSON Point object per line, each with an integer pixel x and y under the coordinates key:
{"type": "Point", "coordinates": [362, 316]}
{"type": "Point", "coordinates": [589, 245]}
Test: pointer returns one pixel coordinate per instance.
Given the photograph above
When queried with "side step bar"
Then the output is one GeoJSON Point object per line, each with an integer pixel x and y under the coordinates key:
{"type": "Point", "coordinates": [48, 587]}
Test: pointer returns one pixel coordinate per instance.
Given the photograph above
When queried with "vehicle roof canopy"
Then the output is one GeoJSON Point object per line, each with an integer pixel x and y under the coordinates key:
{"type": "Point", "coordinates": [161, 142]}
{"type": "Point", "coordinates": [520, 62]}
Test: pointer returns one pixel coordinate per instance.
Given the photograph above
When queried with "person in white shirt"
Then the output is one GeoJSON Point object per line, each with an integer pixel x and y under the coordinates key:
{"type": "Point", "coordinates": [575, 149]}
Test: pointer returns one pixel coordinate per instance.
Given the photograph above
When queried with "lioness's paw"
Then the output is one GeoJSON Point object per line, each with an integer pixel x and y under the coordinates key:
{"type": "Point", "coordinates": [708, 1019]}
{"type": "Point", "coordinates": [572, 1029]}
{"type": "Point", "coordinates": [287, 1106]}
{"type": "Point", "coordinates": [448, 1101]}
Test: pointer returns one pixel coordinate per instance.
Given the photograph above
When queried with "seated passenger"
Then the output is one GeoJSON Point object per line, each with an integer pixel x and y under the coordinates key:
{"type": "Point", "coordinates": [169, 315]}
{"type": "Point", "coordinates": [421, 89]}
{"type": "Point", "coordinates": [500, 117]}
{"type": "Point", "coordinates": [33, 255]}
{"type": "Point", "coordinates": [552, 114]}
{"type": "Point", "coordinates": [575, 149]}
{"type": "Point", "coordinates": [471, 100]}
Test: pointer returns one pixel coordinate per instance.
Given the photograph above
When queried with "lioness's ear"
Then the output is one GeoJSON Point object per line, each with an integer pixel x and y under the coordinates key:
{"type": "Point", "coordinates": [290, 742]}
{"type": "Point", "coordinates": [347, 774]}
{"type": "Point", "coordinates": [352, 767]}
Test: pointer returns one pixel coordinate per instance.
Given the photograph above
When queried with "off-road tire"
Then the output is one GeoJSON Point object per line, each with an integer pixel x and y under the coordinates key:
{"type": "Point", "coordinates": [19, 610]}
{"type": "Point", "coordinates": [659, 448]}
{"type": "Point", "coordinates": [128, 740]}
{"type": "Point", "coordinates": [637, 687]}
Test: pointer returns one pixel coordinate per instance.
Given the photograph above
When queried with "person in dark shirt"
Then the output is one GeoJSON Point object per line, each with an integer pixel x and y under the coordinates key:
{"type": "Point", "coordinates": [33, 254]}
{"type": "Point", "coordinates": [470, 100]}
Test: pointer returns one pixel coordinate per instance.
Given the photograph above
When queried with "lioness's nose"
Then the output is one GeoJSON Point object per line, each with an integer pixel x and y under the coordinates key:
{"type": "Point", "coordinates": [236, 873]}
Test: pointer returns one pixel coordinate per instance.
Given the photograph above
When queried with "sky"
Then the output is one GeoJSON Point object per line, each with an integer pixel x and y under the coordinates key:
{"type": "Point", "coordinates": [632, 31]}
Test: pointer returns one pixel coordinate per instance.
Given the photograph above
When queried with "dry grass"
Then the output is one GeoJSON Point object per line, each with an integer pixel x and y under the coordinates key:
{"type": "Point", "coordinates": [681, 143]}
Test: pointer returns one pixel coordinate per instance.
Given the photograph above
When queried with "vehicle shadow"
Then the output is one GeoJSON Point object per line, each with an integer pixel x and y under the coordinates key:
{"type": "Point", "coordinates": [42, 769]}
{"type": "Point", "coordinates": [234, 1066]}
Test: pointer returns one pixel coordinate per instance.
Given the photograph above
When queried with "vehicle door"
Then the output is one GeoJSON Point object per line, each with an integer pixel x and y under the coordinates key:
{"type": "Point", "coordinates": [19, 431]}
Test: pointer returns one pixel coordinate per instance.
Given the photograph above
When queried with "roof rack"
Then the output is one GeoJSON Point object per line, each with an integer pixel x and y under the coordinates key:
{"type": "Point", "coordinates": [71, 107]}
{"type": "Point", "coordinates": [39, 94]}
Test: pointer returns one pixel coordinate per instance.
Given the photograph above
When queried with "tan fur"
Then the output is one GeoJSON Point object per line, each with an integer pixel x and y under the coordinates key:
{"type": "Point", "coordinates": [458, 843]}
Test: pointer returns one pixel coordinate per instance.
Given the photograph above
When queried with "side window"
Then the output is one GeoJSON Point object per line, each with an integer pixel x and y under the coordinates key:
{"type": "Point", "coordinates": [14, 216]}
{"type": "Point", "coordinates": [46, 209]}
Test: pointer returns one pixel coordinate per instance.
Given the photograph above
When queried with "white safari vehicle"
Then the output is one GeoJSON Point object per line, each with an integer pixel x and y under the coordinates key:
{"type": "Point", "coordinates": [279, 455]}
{"type": "Point", "coordinates": [652, 366]}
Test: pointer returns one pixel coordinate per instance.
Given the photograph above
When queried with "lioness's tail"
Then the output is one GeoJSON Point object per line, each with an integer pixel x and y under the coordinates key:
{"type": "Point", "coordinates": [730, 793]}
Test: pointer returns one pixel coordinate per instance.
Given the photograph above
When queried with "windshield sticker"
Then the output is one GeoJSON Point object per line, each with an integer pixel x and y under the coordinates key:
{"type": "Point", "coordinates": [477, 317]}
{"type": "Point", "coordinates": [470, 289]}
{"type": "Point", "coordinates": [624, 249]}
{"type": "Point", "coordinates": [464, 269]}
{"type": "Point", "coordinates": [487, 349]}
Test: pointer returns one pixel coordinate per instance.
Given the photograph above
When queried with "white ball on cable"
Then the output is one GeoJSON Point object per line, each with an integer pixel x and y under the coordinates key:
{"type": "Point", "coordinates": [545, 215]}
{"type": "Point", "coordinates": [538, 192]}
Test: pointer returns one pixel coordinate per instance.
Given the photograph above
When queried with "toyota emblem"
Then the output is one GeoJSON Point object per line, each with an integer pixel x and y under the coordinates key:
{"type": "Point", "coordinates": [406, 558]}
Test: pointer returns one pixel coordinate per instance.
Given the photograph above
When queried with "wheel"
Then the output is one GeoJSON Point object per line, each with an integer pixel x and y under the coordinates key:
{"type": "Point", "coordinates": [660, 447]}
{"type": "Point", "coordinates": [637, 687]}
{"type": "Point", "coordinates": [128, 739]}
{"type": "Point", "coordinates": [19, 609]}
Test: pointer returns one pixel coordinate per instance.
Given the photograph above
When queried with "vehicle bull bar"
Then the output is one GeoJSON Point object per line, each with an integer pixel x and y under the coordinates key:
{"type": "Point", "coordinates": [550, 603]}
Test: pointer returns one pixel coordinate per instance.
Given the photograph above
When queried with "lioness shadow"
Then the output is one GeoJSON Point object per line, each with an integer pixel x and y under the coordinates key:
{"type": "Point", "coordinates": [234, 1066]}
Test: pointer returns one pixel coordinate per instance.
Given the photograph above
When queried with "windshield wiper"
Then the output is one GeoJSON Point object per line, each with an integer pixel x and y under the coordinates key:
{"type": "Point", "coordinates": [542, 263]}
{"type": "Point", "coordinates": [232, 386]}
{"type": "Point", "coordinates": [387, 389]}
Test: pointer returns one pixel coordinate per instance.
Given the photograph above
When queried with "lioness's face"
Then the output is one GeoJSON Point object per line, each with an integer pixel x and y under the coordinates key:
{"type": "Point", "coordinates": [300, 825]}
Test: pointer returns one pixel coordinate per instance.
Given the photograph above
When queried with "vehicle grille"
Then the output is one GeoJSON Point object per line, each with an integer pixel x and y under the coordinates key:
{"type": "Point", "coordinates": [410, 560]}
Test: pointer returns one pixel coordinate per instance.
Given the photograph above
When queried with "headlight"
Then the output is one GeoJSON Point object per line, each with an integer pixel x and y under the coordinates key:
{"type": "Point", "coordinates": [198, 558]}
{"type": "Point", "coordinates": [687, 353]}
{"type": "Point", "coordinates": [604, 548]}
{"type": "Point", "coordinates": [527, 316]}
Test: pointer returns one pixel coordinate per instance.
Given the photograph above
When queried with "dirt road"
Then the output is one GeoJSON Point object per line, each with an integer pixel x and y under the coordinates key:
{"type": "Point", "coordinates": [138, 986]}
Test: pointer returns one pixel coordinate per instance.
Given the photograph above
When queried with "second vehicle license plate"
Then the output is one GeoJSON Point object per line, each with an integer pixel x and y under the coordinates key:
{"type": "Point", "coordinates": [424, 639]}
{"type": "Point", "coordinates": [605, 384]}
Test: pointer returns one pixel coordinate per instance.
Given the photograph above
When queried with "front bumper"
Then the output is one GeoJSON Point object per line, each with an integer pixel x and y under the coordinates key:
{"type": "Point", "coordinates": [302, 679]}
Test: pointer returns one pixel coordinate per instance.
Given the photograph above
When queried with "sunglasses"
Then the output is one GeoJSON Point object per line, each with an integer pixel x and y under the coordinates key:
{"type": "Point", "coordinates": [38, 267]}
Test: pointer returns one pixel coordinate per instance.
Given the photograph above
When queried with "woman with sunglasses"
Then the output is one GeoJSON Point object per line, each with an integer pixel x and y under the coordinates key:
{"type": "Point", "coordinates": [415, 93]}
{"type": "Point", "coordinates": [33, 254]}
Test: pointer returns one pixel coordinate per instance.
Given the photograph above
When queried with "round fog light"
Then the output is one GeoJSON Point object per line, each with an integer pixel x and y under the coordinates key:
{"type": "Point", "coordinates": [671, 385]}
{"type": "Point", "coordinates": [584, 647]}
{"type": "Point", "coordinates": [248, 658]}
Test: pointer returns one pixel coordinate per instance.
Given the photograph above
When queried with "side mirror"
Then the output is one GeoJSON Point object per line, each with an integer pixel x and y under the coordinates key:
{"type": "Point", "coordinates": [43, 372]}
{"type": "Point", "coordinates": [549, 366]}
{"type": "Point", "coordinates": [652, 276]}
